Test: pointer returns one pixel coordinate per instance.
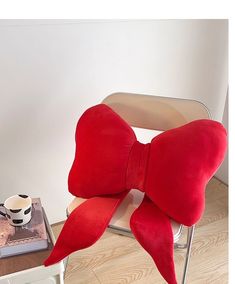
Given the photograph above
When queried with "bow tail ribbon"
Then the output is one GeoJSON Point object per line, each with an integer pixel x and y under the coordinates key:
{"type": "Point", "coordinates": [84, 226]}
{"type": "Point", "coordinates": [87, 223]}
{"type": "Point", "coordinates": [152, 229]}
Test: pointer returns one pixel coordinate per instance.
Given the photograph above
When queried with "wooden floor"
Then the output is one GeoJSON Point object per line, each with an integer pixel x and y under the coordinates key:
{"type": "Point", "coordinates": [120, 260]}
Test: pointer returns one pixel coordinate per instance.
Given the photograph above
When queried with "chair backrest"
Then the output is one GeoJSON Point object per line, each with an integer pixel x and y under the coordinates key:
{"type": "Point", "coordinates": [154, 112]}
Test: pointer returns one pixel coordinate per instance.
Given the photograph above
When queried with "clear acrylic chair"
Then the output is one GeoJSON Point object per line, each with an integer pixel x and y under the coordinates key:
{"type": "Point", "coordinates": [154, 113]}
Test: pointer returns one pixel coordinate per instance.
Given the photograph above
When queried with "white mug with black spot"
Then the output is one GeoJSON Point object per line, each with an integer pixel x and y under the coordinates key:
{"type": "Point", "coordinates": [18, 209]}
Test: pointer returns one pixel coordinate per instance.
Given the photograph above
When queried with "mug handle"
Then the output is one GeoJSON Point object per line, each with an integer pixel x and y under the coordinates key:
{"type": "Point", "coordinates": [1, 213]}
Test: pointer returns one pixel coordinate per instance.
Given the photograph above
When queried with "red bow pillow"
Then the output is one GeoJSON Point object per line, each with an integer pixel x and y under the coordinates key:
{"type": "Point", "coordinates": [172, 170]}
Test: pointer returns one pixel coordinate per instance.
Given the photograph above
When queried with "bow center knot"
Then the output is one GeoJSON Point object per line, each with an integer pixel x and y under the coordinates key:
{"type": "Point", "coordinates": [137, 165]}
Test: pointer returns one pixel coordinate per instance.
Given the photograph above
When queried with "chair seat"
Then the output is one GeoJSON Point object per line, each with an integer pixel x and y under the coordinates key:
{"type": "Point", "coordinates": [120, 221]}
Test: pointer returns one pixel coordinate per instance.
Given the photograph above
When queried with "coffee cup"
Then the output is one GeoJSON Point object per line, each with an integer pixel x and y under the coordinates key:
{"type": "Point", "coordinates": [18, 209]}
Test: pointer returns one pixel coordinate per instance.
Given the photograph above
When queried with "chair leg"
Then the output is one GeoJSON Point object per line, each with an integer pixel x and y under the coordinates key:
{"type": "Point", "coordinates": [66, 260]}
{"type": "Point", "coordinates": [189, 246]}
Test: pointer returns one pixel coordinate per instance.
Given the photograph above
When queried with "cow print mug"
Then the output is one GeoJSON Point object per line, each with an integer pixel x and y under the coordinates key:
{"type": "Point", "coordinates": [18, 209]}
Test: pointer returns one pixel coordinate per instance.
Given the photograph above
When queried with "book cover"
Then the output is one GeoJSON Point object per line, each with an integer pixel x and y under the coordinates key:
{"type": "Point", "coordinates": [27, 238]}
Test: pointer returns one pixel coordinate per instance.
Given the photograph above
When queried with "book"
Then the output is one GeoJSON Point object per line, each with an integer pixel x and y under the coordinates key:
{"type": "Point", "coordinates": [25, 261]}
{"type": "Point", "coordinates": [27, 238]}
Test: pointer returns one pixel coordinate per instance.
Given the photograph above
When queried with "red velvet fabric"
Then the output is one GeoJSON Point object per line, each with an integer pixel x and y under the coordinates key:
{"type": "Point", "coordinates": [172, 170]}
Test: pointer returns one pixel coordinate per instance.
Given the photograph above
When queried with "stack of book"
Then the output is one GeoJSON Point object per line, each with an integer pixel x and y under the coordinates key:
{"type": "Point", "coordinates": [27, 238]}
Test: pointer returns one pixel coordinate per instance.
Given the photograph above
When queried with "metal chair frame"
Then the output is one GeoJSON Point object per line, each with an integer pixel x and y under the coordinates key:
{"type": "Point", "coordinates": [115, 101]}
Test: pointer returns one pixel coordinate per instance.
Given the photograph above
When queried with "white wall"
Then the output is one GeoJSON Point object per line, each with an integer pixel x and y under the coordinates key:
{"type": "Point", "coordinates": [51, 71]}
